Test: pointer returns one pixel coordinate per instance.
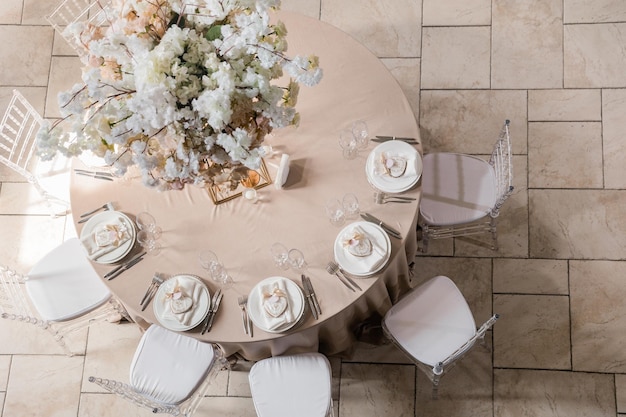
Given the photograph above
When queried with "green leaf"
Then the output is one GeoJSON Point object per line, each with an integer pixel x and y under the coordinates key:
{"type": "Point", "coordinates": [214, 32]}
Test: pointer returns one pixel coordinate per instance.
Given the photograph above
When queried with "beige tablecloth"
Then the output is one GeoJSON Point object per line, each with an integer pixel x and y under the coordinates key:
{"type": "Point", "coordinates": [356, 85]}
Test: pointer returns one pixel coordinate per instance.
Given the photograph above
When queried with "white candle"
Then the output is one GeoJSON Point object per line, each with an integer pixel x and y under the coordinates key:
{"type": "Point", "coordinates": [250, 195]}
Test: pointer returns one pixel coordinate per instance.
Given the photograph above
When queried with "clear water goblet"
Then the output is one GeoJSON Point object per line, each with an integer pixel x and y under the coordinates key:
{"type": "Point", "coordinates": [148, 242]}
{"type": "Point", "coordinates": [348, 144]}
{"type": "Point", "coordinates": [296, 260]}
{"type": "Point", "coordinates": [280, 255]}
{"type": "Point", "coordinates": [146, 221]}
{"type": "Point", "coordinates": [335, 212]}
{"type": "Point", "coordinates": [360, 133]}
{"type": "Point", "coordinates": [350, 205]}
{"type": "Point", "coordinates": [209, 261]}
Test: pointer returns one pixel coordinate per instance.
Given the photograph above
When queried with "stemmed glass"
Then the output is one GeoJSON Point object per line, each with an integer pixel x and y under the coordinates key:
{"type": "Point", "coordinates": [209, 261]}
{"type": "Point", "coordinates": [148, 242]}
{"type": "Point", "coordinates": [296, 260]}
{"type": "Point", "coordinates": [348, 144]}
{"type": "Point", "coordinates": [360, 133]}
{"type": "Point", "coordinates": [280, 255]}
{"type": "Point", "coordinates": [335, 212]}
{"type": "Point", "coordinates": [146, 221]}
{"type": "Point", "coordinates": [350, 206]}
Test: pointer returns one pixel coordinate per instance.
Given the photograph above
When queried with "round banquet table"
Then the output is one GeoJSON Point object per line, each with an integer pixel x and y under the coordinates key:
{"type": "Point", "coordinates": [356, 85]}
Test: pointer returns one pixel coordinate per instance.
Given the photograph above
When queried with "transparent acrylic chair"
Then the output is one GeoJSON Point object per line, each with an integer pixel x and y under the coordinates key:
{"type": "Point", "coordinates": [18, 131]}
{"type": "Point", "coordinates": [462, 194]}
{"type": "Point", "coordinates": [62, 294]}
{"type": "Point", "coordinates": [169, 373]}
{"type": "Point", "coordinates": [434, 326]}
{"type": "Point", "coordinates": [292, 385]}
{"type": "Point", "coordinates": [91, 13]}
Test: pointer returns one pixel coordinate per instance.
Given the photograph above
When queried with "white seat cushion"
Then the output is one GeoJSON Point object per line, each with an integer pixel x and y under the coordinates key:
{"type": "Point", "coordinates": [168, 367]}
{"type": "Point", "coordinates": [289, 386]}
{"type": "Point", "coordinates": [456, 189]}
{"type": "Point", "coordinates": [63, 285]}
{"type": "Point", "coordinates": [432, 321]}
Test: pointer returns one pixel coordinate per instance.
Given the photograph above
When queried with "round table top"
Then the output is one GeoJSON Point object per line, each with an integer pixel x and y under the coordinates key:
{"type": "Point", "coordinates": [356, 85]}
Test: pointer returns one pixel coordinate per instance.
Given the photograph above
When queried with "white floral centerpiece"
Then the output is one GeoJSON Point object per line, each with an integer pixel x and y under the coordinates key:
{"type": "Point", "coordinates": [182, 91]}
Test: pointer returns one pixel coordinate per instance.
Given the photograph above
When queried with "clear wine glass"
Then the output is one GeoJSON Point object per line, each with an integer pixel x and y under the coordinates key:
{"type": "Point", "coordinates": [335, 212]}
{"type": "Point", "coordinates": [146, 221]}
{"type": "Point", "coordinates": [350, 204]}
{"type": "Point", "coordinates": [348, 144]}
{"type": "Point", "coordinates": [280, 255]}
{"type": "Point", "coordinates": [296, 260]}
{"type": "Point", "coordinates": [209, 261]}
{"type": "Point", "coordinates": [148, 242]}
{"type": "Point", "coordinates": [360, 133]}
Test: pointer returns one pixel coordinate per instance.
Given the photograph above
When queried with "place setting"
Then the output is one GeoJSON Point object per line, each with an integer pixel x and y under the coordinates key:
{"type": "Point", "coordinates": [276, 304]}
{"type": "Point", "coordinates": [393, 166]}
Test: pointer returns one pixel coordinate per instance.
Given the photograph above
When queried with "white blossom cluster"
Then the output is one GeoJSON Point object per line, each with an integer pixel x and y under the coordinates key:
{"type": "Point", "coordinates": [184, 92]}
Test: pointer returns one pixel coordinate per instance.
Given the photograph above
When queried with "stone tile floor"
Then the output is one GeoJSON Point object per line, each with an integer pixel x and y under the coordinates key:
{"type": "Point", "coordinates": [555, 68]}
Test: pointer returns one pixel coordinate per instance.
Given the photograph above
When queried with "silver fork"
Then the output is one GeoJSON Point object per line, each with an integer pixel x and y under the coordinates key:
{"type": "Point", "coordinates": [157, 280]}
{"type": "Point", "coordinates": [333, 269]}
{"type": "Point", "coordinates": [88, 215]}
{"type": "Point", "coordinates": [243, 302]}
{"type": "Point", "coordinates": [382, 198]}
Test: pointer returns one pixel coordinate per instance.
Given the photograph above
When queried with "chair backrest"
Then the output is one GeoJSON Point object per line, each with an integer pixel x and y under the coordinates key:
{"type": "Point", "coordinates": [18, 135]}
{"type": "Point", "coordinates": [92, 13]}
{"type": "Point", "coordinates": [14, 304]}
{"type": "Point", "coordinates": [501, 162]}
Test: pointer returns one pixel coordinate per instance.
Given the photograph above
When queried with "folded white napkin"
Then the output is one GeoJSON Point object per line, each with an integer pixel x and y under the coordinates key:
{"type": "Point", "coordinates": [190, 288]}
{"type": "Point", "coordinates": [283, 172]}
{"type": "Point", "coordinates": [366, 263]}
{"type": "Point", "coordinates": [263, 291]}
{"type": "Point", "coordinates": [380, 170]}
{"type": "Point", "coordinates": [105, 238]}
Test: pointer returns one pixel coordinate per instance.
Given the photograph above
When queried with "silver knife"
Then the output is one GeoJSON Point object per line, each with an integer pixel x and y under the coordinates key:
{"type": "Point", "coordinates": [139, 255]}
{"type": "Point", "coordinates": [126, 268]}
{"type": "Point", "coordinates": [101, 173]}
{"type": "Point", "coordinates": [215, 304]}
{"type": "Point", "coordinates": [390, 230]}
{"type": "Point", "coordinates": [99, 177]}
{"type": "Point", "coordinates": [307, 294]}
{"type": "Point", "coordinates": [386, 138]}
{"type": "Point", "coordinates": [313, 296]}
{"type": "Point", "coordinates": [350, 280]}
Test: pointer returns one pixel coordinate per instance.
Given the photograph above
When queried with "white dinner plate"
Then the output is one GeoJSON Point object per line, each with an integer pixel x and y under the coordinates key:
{"type": "Point", "coordinates": [354, 265]}
{"type": "Point", "coordinates": [256, 310]}
{"type": "Point", "coordinates": [161, 306]}
{"type": "Point", "coordinates": [107, 217]}
{"type": "Point", "coordinates": [389, 184]}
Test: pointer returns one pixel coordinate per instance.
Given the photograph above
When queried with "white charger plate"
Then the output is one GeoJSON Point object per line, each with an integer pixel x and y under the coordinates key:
{"type": "Point", "coordinates": [255, 305]}
{"type": "Point", "coordinates": [160, 304]}
{"type": "Point", "coordinates": [351, 263]}
{"type": "Point", "coordinates": [108, 217]}
{"type": "Point", "coordinates": [386, 183]}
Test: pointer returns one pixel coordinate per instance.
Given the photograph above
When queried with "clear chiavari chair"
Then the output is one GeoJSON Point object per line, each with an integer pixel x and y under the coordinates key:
{"type": "Point", "coordinates": [462, 194]}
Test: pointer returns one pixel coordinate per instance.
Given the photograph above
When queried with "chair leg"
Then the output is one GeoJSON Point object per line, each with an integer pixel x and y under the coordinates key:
{"type": "Point", "coordinates": [424, 233]}
{"type": "Point", "coordinates": [494, 233]}
{"type": "Point", "coordinates": [435, 391]}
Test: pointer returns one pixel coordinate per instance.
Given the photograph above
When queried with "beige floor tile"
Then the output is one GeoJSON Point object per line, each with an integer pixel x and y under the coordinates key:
{"type": "Point", "coordinates": [377, 390]}
{"type": "Point", "coordinates": [530, 276]}
{"type": "Point", "coordinates": [463, 392]}
{"type": "Point", "coordinates": [44, 386]}
{"type": "Point", "coordinates": [598, 315]}
{"type": "Point", "coordinates": [383, 353]}
{"type": "Point", "coordinates": [577, 224]}
{"type": "Point", "coordinates": [527, 50]}
{"type": "Point", "coordinates": [61, 46]}
{"type": "Point", "coordinates": [469, 121]}
{"type": "Point", "coordinates": [389, 29]}
{"type": "Point", "coordinates": [532, 332]}
{"type": "Point", "coordinates": [109, 405]}
{"type": "Point", "coordinates": [565, 155]}
{"type": "Point", "coordinates": [227, 407]}
{"type": "Point", "coordinates": [10, 12]}
{"type": "Point", "coordinates": [35, 12]}
{"type": "Point", "coordinates": [471, 275]}
{"type": "Point", "coordinates": [407, 72]}
{"type": "Point", "coordinates": [17, 249]}
{"type": "Point", "coordinates": [564, 105]}
{"type": "Point", "coordinates": [552, 394]}
{"type": "Point", "coordinates": [238, 385]}
{"type": "Point", "coordinates": [33, 54]}
{"type": "Point", "coordinates": [613, 126]}
{"type": "Point", "coordinates": [64, 73]}
{"type": "Point", "coordinates": [512, 223]}
{"type": "Point", "coordinates": [110, 350]}
{"type": "Point", "coordinates": [456, 13]}
{"type": "Point", "coordinates": [27, 339]}
{"type": "Point", "coordinates": [456, 57]}
{"type": "Point", "coordinates": [5, 364]}
{"type": "Point", "coordinates": [597, 11]}
{"type": "Point", "coordinates": [620, 391]}
{"type": "Point", "coordinates": [23, 198]}
{"type": "Point", "coordinates": [593, 55]}
{"type": "Point", "coordinates": [306, 7]}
